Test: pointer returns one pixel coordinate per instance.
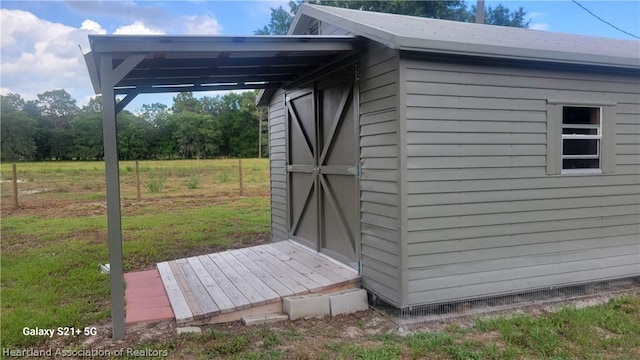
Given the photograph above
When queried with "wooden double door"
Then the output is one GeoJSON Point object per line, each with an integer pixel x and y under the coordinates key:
{"type": "Point", "coordinates": [323, 168]}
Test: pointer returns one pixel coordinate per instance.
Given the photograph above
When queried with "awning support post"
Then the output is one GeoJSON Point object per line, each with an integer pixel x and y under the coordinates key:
{"type": "Point", "coordinates": [109, 77]}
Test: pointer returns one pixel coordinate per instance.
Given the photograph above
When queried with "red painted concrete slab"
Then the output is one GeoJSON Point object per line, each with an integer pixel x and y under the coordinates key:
{"type": "Point", "coordinates": [146, 298]}
{"type": "Point", "coordinates": [148, 302]}
{"type": "Point", "coordinates": [144, 292]}
{"type": "Point", "coordinates": [148, 315]}
{"type": "Point", "coordinates": [147, 274]}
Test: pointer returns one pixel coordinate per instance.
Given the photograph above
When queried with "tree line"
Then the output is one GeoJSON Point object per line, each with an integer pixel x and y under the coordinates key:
{"type": "Point", "coordinates": [53, 127]}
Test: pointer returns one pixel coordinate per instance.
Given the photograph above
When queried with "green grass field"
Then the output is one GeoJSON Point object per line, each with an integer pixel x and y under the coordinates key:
{"type": "Point", "coordinates": [52, 247]}
{"type": "Point", "coordinates": [84, 180]}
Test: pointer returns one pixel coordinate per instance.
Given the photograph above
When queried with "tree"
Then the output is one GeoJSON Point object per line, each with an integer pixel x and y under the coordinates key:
{"type": "Point", "coordinates": [17, 129]}
{"type": "Point", "coordinates": [32, 109]}
{"type": "Point", "coordinates": [57, 106]}
{"type": "Point", "coordinates": [60, 143]}
{"type": "Point", "coordinates": [196, 135]}
{"type": "Point", "coordinates": [86, 130]}
{"type": "Point", "coordinates": [448, 10]}
{"type": "Point", "coordinates": [53, 139]}
{"type": "Point", "coordinates": [155, 114]}
{"type": "Point", "coordinates": [94, 105]}
{"type": "Point", "coordinates": [185, 101]}
{"type": "Point", "coordinates": [161, 137]}
{"type": "Point", "coordinates": [280, 20]}
{"type": "Point", "coordinates": [239, 125]}
{"type": "Point", "coordinates": [501, 15]}
{"type": "Point", "coordinates": [133, 137]}
{"type": "Point", "coordinates": [42, 138]}
{"type": "Point", "coordinates": [11, 102]}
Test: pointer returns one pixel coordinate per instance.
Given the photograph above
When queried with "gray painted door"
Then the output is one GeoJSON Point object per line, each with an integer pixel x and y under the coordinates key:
{"type": "Point", "coordinates": [322, 169]}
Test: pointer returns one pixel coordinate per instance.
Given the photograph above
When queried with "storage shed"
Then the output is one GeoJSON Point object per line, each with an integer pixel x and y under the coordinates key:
{"type": "Point", "coordinates": [450, 161]}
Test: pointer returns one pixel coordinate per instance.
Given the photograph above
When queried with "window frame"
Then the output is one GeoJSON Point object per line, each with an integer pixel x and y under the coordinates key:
{"type": "Point", "coordinates": [597, 137]}
{"type": "Point", "coordinates": [555, 141]}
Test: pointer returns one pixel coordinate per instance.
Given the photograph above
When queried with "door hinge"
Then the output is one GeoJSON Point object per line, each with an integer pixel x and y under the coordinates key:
{"type": "Point", "coordinates": [355, 170]}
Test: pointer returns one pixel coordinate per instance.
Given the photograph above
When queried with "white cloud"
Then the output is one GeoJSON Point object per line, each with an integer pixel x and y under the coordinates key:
{"type": "Point", "coordinates": [540, 26]}
{"type": "Point", "coordinates": [92, 26]}
{"type": "Point", "coordinates": [20, 29]}
{"type": "Point", "coordinates": [536, 14]}
{"type": "Point", "coordinates": [5, 91]}
{"type": "Point", "coordinates": [201, 25]}
{"type": "Point", "coordinates": [39, 55]}
{"type": "Point", "coordinates": [137, 28]}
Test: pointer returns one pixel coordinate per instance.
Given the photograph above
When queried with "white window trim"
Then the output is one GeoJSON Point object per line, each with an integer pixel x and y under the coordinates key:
{"type": "Point", "coordinates": [597, 137]}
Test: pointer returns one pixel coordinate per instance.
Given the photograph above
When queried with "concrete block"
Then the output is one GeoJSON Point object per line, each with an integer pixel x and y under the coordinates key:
{"type": "Point", "coordinates": [189, 330]}
{"type": "Point", "coordinates": [263, 319]}
{"type": "Point", "coordinates": [349, 301]}
{"type": "Point", "coordinates": [305, 306]}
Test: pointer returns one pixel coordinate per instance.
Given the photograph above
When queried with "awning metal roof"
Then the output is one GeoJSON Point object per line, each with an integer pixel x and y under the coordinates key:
{"type": "Point", "coordinates": [209, 63]}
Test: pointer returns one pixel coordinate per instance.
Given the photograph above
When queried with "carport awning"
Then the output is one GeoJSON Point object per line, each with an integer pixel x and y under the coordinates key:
{"type": "Point", "coordinates": [208, 63]}
{"type": "Point", "coordinates": [132, 65]}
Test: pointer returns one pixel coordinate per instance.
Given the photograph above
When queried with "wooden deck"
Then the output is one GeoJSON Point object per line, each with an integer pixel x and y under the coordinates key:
{"type": "Point", "coordinates": [225, 286]}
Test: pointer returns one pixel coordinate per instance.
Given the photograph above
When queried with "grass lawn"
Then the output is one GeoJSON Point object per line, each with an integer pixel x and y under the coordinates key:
{"type": "Point", "coordinates": [51, 248]}
{"type": "Point", "coordinates": [607, 331]}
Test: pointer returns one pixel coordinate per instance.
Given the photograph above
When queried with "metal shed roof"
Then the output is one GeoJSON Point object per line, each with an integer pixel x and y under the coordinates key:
{"type": "Point", "coordinates": [207, 63]}
{"type": "Point", "coordinates": [452, 37]}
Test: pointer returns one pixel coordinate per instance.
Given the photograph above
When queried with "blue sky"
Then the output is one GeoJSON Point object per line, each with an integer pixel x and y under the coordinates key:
{"type": "Point", "coordinates": [40, 39]}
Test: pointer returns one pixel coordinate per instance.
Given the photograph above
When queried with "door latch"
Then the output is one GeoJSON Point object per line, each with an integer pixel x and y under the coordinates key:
{"type": "Point", "coordinates": [355, 170]}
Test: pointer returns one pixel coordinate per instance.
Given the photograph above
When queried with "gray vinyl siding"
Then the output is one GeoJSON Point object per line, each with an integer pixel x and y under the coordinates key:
{"type": "Point", "coordinates": [379, 152]}
{"type": "Point", "coordinates": [277, 161]}
{"type": "Point", "coordinates": [483, 216]}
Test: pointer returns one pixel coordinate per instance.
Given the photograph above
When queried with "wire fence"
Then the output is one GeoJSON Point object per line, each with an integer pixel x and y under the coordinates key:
{"type": "Point", "coordinates": [28, 184]}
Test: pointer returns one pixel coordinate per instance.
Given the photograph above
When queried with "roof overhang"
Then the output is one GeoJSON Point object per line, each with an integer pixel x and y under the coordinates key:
{"type": "Point", "coordinates": [210, 63]}
{"type": "Point", "coordinates": [415, 34]}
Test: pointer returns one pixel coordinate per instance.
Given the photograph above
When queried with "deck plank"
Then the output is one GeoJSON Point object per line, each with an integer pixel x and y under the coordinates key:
{"type": "Point", "coordinates": [297, 251]}
{"type": "Point", "coordinates": [247, 275]}
{"type": "Point", "coordinates": [279, 273]}
{"type": "Point", "coordinates": [207, 305]}
{"type": "Point", "coordinates": [288, 271]}
{"type": "Point", "coordinates": [235, 295]}
{"type": "Point", "coordinates": [253, 296]}
{"type": "Point", "coordinates": [186, 291]}
{"type": "Point", "coordinates": [300, 267]}
{"type": "Point", "coordinates": [176, 298]}
{"type": "Point", "coordinates": [244, 257]}
{"type": "Point", "coordinates": [214, 290]}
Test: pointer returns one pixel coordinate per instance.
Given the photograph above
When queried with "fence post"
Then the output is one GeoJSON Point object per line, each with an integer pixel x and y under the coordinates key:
{"type": "Point", "coordinates": [15, 186]}
{"type": "Point", "coordinates": [137, 180]}
{"type": "Point", "coordinates": [240, 175]}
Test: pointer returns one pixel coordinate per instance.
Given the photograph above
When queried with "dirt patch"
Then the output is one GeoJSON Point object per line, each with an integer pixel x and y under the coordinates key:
{"type": "Point", "coordinates": [301, 336]}
{"type": "Point", "coordinates": [65, 208]}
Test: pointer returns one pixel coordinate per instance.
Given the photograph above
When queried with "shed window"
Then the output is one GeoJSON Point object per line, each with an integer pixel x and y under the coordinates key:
{"type": "Point", "coordinates": [581, 138]}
